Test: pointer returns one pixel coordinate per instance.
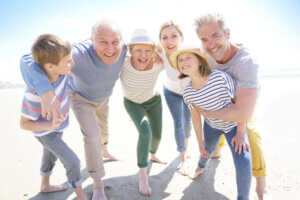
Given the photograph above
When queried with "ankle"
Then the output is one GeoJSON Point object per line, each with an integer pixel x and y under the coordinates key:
{"type": "Point", "coordinates": [143, 174]}
{"type": "Point", "coordinates": [182, 156]}
{"type": "Point", "coordinates": [98, 184]}
{"type": "Point", "coordinates": [79, 193]}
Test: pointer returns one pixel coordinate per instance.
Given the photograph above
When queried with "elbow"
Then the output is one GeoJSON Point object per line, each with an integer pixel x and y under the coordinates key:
{"type": "Point", "coordinates": [22, 125]}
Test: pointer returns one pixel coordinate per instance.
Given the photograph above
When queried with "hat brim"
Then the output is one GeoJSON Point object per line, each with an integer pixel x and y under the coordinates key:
{"type": "Point", "coordinates": [174, 56]}
{"type": "Point", "coordinates": [141, 43]}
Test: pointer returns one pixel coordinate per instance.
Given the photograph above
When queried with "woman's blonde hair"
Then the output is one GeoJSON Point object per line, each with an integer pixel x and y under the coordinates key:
{"type": "Point", "coordinates": [167, 24]}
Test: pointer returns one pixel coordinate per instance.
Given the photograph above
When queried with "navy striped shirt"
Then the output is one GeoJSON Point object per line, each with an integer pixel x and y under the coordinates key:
{"type": "Point", "coordinates": [215, 95]}
{"type": "Point", "coordinates": [31, 105]}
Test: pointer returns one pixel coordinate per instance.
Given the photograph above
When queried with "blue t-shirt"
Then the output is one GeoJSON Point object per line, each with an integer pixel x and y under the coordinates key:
{"type": "Point", "coordinates": [31, 105]}
{"type": "Point", "coordinates": [92, 79]}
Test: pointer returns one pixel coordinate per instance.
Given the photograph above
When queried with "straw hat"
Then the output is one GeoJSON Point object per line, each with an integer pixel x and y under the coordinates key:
{"type": "Point", "coordinates": [141, 36]}
{"type": "Point", "coordinates": [185, 48]}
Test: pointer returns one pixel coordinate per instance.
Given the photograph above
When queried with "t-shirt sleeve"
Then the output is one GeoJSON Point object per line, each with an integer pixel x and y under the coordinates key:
{"type": "Point", "coordinates": [248, 76]}
{"type": "Point", "coordinates": [31, 109]}
{"type": "Point", "coordinates": [186, 99]}
{"type": "Point", "coordinates": [33, 75]}
{"type": "Point", "coordinates": [230, 85]}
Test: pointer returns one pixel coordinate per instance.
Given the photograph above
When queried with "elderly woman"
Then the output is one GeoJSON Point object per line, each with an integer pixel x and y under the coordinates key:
{"type": "Point", "coordinates": [171, 36]}
{"type": "Point", "coordinates": [143, 104]}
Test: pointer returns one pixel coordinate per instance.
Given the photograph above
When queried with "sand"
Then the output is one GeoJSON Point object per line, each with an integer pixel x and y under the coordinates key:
{"type": "Point", "coordinates": [277, 119]}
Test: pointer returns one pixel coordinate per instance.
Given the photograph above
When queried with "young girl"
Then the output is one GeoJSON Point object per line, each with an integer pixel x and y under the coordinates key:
{"type": "Point", "coordinates": [213, 90]}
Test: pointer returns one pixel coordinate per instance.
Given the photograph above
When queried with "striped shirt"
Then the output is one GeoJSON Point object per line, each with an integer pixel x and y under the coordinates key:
{"type": "Point", "coordinates": [138, 86]}
{"type": "Point", "coordinates": [31, 105]}
{"type": "Point", "coordinates": [215, 95]}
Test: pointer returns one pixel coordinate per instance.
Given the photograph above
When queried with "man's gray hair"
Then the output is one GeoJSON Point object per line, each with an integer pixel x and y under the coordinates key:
{"type": "Point", "coordinates": [211, 18]}
{"type": "Point", "coordinates": [104, 23]}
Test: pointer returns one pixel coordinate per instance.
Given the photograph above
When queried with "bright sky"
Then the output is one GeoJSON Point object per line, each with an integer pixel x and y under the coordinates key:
{"type": "Point", "coordinates": [270, 28]}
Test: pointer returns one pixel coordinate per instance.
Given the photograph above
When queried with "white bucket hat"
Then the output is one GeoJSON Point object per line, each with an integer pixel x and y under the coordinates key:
{"type": "Point", "coordinates": [141, 36]}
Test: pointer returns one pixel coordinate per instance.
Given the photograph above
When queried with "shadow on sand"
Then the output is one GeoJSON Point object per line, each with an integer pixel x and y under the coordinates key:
{"type": "Point", "coordinates": [201, 188]}
{"type": "Point", "coordinates": [65, 194]}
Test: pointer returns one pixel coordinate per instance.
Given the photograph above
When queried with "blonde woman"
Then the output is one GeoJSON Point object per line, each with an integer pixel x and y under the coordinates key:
{"type": "Point", "coordinates": [170, 37]}
{"type": "Point", "coordinates": [142, 103]}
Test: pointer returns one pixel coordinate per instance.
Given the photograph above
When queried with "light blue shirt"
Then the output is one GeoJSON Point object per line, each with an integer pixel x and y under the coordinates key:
{"type": "Point", "coordinates": [92, 78]}
{"type": "Point", "coordinates": [32, 109]}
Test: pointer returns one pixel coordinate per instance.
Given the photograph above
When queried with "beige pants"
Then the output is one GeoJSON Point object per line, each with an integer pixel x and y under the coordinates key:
{"type": "Point", "coordinates": [93, 120]}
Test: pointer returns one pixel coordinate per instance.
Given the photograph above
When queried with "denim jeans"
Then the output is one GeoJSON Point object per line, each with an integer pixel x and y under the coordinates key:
{"type": "Point", "coordinates": [242, 162]}
{"type": "Point", "coordinates": [181, 118]}
{"type": "Point", "coordinates": [55, 147]}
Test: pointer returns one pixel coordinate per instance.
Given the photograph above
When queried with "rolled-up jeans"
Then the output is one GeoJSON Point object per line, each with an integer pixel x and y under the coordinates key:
{"type": "Point", "coordinates": [242, 162]}
{"type": "Point", "coordinates": [54, 147]}
{"type": "Point", "coordinates": [181, 118]}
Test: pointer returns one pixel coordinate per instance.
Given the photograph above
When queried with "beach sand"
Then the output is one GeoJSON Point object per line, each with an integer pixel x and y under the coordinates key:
{"type": "Point", "coordinates": [277, 119]}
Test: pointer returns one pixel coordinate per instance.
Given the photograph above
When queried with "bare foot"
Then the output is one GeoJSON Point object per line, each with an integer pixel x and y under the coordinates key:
{"type": "Point", "coordinates": [261, 187]}
{"type": "Point", "coordinates": [198, 171]}
{"type": "Point", "coordinates": [144, 188]}
{"type": "Point", "coordinates": [106, 154]}
{"type": "Point", "coordinates": [157, 160]}
{"type": "Point", "coordinates": [53, 188]}
{"type": "Point", "coordinates": [82, 197]}
{"type": "Point", "coordinates": [98, 192]}
{"type": "Point", "coordinates": [216, 153]}
{"type": "Point", "coordinates": [182, 170]}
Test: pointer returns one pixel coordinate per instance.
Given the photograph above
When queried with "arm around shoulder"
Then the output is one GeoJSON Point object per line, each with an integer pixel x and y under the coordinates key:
{"type": "Point", "coordinates": [241, 111]}
{"type": "Point", "coordinates": [33, 75]}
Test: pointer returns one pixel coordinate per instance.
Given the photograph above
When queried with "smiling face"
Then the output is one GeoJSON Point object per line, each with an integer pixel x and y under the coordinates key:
{"type": "Point", "coordinates": [170, 39]}
{"type": "Point", "coordinates": [214, 40]}
{"type": "Point", "coordinates": [107, 44]}
{"type": "Point", "coordinates": [188, 63]}
{"type": "Point", "coordinates": [142, 56]}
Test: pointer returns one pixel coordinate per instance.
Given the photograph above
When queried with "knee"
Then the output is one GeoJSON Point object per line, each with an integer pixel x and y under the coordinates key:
{"type": "Point", "coordinates": [144, 131]}
{"type": "Point", "coordinates": [92, 138]}
{"type": "Point", "coordinates": [210, 148]}
{"type": "Point", "coordinates": [157, 136]}
{"type": "Point", "coordinates": [144, 136]}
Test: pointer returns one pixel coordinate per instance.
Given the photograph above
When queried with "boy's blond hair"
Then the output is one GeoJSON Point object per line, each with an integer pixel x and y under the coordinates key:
{"type": "Point", "coordinates": [50, 48]}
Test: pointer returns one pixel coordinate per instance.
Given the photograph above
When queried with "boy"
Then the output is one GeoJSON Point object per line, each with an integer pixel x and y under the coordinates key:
{"type": "Point", "coordinates": [53, 55]}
